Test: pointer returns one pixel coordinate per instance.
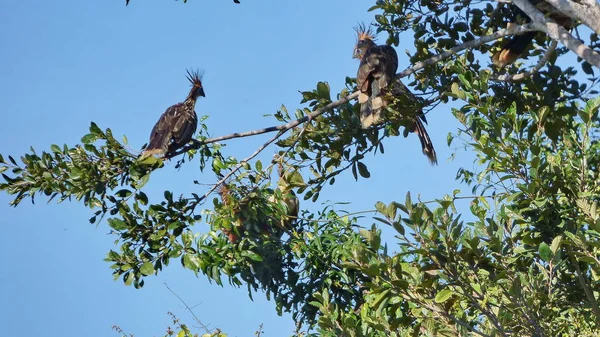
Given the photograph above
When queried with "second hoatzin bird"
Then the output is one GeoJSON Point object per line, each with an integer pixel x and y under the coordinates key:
{"type": "Point", "coordinates": [376, 79]}
{"type": "Point", "coordinates": [518, 44]}
{"type": "Point", "coordinates": [177, 125]}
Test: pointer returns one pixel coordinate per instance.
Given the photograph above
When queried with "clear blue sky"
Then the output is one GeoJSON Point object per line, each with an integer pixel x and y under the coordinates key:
{"type": "Point", "coordinates": [66, 63]}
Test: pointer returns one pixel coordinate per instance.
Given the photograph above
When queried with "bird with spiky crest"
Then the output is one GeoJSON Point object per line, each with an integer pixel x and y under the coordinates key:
{"type": "Point", "coordinates": [377, 83]}
{"type": "Point", "coordinates": [178, 123]}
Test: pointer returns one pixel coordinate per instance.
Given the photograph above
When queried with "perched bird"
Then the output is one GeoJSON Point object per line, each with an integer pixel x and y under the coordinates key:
{"type": "Point", "coordinates": [177, 125]}
{"type": "Point", "coordinates": [376, 79]}
{"type": "Point", "coordinates": [518, 44]}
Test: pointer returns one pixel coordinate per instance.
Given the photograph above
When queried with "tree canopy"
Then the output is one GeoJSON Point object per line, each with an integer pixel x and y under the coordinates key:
{"type": "Point", "coordinates": [522, 261]}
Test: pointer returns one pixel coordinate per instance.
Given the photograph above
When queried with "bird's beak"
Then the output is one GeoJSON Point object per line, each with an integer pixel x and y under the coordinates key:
{"type": "Point", "coordinates": [356, 54]}
{"type": "Point", "coordinates": [201, 92]}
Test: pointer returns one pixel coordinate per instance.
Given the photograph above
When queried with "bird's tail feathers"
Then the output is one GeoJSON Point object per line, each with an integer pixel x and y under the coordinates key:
{"type": "Point", "coordinates": [369, 115]}
{"type": "Point", "coordinates": [513, 49]}
{"type": "Point", "coordinates": [426, 144]}
{"type": "Point", "coordinates": [158, 145]}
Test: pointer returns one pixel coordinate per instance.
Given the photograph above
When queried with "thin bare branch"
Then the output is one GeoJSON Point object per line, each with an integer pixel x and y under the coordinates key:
{"type": "Point", "coordinates": [240, 165]}
{"type": "Point", "coordinates": [187, 307]}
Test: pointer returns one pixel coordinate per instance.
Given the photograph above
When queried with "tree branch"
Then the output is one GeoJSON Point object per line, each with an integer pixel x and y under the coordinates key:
{"type": "Point", "coordinates": [558, 33]}
{"type": "Point", "coordinates": [187, 307]}
{"type": "Point", "coordinates": [238, 167]}
{"type": "Point", "coordinates": [518, 30]}
{"type": "Point", "coordinates": [588, 14]}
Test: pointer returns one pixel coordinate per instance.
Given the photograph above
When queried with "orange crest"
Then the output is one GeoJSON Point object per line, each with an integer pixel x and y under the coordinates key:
{"type": "Point", "coordinates": [364, 33]}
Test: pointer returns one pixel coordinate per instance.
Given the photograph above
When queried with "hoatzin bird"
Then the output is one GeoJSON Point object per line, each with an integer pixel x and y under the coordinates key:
{"type": "Point", "coordinates": [518, 44]}
{"type": "Point", "coordinates": [177, 125]}
{"type": "Point", "coordinates": [376, 79]}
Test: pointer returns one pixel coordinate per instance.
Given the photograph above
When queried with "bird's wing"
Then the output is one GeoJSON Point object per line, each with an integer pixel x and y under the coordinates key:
{"type": "Point", "coordinates": [161, 133]}
{"type": "Point", "coordinates": [184, 129]}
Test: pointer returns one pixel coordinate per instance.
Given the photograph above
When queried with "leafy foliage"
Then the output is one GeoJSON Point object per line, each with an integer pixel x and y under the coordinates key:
{"type": "Point", "coordinates": [522, 261]}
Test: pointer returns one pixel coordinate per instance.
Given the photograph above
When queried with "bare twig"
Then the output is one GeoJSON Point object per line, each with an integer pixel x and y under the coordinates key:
{"type": "Point", "coordinates": [239, 165]}
{"type": "Point", "coordinates": [187, 307]}
{"type": "Point", "coordinates": [535, 69]}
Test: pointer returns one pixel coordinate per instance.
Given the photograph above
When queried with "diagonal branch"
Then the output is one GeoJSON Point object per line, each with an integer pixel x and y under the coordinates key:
{"type": "Point", "coordinates": [588, 13]}
{"type": "Point", "coordinates": [419, 65]}
{"type": "Point", "coordinates": [239, 166]}
{"type": "Point", "coordinates": [558, 33]}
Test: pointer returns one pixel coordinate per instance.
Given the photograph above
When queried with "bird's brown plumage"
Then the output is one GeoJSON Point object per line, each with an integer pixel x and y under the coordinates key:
{"type": "Point", "coordinates": [376, 79]}
{"type": "Point", "coordinates": [178, 123]}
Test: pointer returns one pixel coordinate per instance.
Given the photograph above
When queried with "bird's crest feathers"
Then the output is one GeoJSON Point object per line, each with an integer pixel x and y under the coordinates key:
{"type": "Point", "coordinates": [364, 32]}
{"type": "Point", "coordinates": [195, 77]}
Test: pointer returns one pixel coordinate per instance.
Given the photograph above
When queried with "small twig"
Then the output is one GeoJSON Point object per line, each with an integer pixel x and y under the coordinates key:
{"type": "Point", "coordinates": [526, 74]}
{"type": "Point", "coordinates": [240, 164]}
{"type": "Point", "coordinates": [188, 309]}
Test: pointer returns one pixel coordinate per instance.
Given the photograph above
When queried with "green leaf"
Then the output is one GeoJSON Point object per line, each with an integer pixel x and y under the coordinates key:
{"type": "Point", "coordinates": [455, 89]}
{"type": "Point", "coordinates": [556, 244]}
{"type": "Point", "coordinates": [55, 148]}
{"type": "Point", "coordinates": [545, 252]}
{"type": "Point", "coordinates": [147, 269]}
{"type": "Point", "coordinates": [191, 261]}
{"type": "Point", "coordinates": [89, 138]}
{"type": "Point", "coordinates": [443, 296]}
{"type": "Point", "coordinates": [149, 160]}
{"type": "Point", "coordinates": [117, 224]}
{"type": "Point", "coordinates": [362, 169]}
{"type": "Point", "coordinates": [141, 181]}
{"type": "Point", "coordinates": [94, 129]}
{"type": "Point", "coordinates": [251, 255]}
{"type": "Point", "coordinates": [142, 198]}
{"type": "Point", "coordinates": [323, 90]}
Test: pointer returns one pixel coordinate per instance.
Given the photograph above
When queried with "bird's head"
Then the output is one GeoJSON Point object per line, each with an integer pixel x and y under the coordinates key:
{"type": "Point", "coordinates": [195, 78]}
{"type": "Point", "coordinates": [365, 39]}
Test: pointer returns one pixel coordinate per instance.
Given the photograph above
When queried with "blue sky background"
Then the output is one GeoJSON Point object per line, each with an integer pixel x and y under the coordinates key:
{"type": "Point", "coordinates": [66, 63]}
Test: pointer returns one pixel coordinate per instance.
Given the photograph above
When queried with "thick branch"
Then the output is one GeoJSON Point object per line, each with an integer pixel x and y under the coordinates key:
{"type": "Point", "coordinates": [588, 14]}
{"type": "Point", "coordinates": [518, 30]}
{"type": "Point", "coordinates": [558, 33]}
